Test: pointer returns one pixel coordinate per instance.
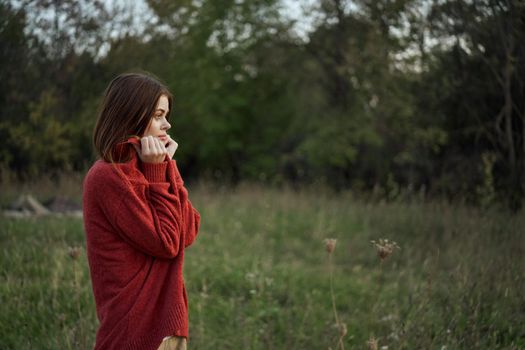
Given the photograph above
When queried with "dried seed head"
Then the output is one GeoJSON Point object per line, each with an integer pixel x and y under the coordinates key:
{"type": "Point", "coordinates": [330, 244]}
{"type": "Point", "coordinates": [342, 329]}
{"type": "Point", "coordinates": [385, 248]}
{"type": "Point", "coordinates": [372, 343]}
{"type": "Point", "coordinates": [74, 252]}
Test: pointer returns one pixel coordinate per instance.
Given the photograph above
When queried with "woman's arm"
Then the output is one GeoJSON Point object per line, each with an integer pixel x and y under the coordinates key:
{"type": "Point", "coordinates": [191, 217]}
{"type": "Point", "coordinates": [148, 216]}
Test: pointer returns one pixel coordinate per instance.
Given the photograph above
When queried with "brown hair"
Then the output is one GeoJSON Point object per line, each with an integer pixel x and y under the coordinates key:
{"type": "Point", "coordinates": [127, 108]}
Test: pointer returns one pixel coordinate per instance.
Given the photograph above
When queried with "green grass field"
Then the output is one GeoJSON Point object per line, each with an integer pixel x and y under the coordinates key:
{"type": "Point", "coordinates": [258, 275]}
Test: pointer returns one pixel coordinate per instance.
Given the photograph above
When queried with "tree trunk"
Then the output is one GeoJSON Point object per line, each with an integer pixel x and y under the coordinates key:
{"type": "Point", "coordinates": [515, 169]}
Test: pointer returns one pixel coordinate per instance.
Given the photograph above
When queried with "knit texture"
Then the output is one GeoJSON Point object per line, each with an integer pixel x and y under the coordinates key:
{"type": "Point", "coordinates": [138, 220]}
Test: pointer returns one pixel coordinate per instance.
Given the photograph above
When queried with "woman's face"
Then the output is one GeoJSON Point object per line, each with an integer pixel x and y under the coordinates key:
{"type": "Point", "coordinates": [158, 125]}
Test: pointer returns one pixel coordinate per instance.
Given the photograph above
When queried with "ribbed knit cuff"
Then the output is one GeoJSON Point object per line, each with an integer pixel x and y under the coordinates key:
{"type": "Point", "coordinates": [155, 172]}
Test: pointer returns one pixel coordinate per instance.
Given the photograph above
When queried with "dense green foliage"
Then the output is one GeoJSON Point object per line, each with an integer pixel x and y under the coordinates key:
{"type": "Point", "coordinates": [387, 93]}
{"type": "Point", "coordinates": [258, 275]}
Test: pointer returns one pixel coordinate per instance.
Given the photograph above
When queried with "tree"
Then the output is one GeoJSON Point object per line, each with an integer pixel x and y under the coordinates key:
{"type": "Point", "coordinates": [485, 51]}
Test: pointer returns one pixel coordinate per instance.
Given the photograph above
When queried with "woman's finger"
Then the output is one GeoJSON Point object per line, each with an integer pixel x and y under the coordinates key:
{"type": "Point", "coordinates": [161, 150]}
{"type": "Point", "coordinates": [145, 145]}
{"type": "Point", "coordinates": [153, 150]}
{"type": "Point", "coordinates": [171, 147]}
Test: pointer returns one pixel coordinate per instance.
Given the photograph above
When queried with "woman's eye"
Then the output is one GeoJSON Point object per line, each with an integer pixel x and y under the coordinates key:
{"type": "Point", "coordinates": [158, 117]}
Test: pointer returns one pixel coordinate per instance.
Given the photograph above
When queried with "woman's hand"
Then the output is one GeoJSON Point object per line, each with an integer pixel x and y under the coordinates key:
{"type": "Point", "coordinates": [171, 146]}
{"type": "Point", "coordinates": [151, 150]}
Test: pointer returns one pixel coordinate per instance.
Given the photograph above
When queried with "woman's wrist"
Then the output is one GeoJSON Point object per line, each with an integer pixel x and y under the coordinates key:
{"type": "Point", "coordinates": [154, 172]}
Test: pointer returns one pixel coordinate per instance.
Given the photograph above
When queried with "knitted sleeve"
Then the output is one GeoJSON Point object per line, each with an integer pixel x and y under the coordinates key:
{"type": "Point", "coordinates": [191, 217]}
{"type": "Point", "coordinates": [149, 216]}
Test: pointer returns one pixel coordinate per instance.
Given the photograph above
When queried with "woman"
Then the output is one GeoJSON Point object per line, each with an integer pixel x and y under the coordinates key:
{"type": "Point", "coordinates": [138, 220]}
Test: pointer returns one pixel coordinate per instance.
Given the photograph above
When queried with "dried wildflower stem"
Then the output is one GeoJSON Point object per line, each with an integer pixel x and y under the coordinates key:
{"type": "Point", "coordinates": [332, 288]}
{"type": "Point", "coordinates": [340, 342]}
{"type": "Point", "coordinates": [376, 296]}
{"type": "Point", "coordinates": [341, 327]}
{"type": "Point", "coordinates": [330, 265]}
{"type": "Point", "coordinates": [384, 248]}
{"type": "Point", "coordinates": [380, 278]}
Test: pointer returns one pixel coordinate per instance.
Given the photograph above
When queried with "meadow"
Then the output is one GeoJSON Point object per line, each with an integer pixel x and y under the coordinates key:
{"type": "Point", "coordinates": [258, 276]}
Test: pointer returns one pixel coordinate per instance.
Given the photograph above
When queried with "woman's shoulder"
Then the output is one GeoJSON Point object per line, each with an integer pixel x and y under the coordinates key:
{"type": "Point", "coordinates": [101, 169]}
{"type": "Point", "coordinates": [111, 173]}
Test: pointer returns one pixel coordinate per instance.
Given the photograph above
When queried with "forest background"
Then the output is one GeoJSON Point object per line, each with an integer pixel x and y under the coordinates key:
{"type": "Point", "coordinates": [385, 97]}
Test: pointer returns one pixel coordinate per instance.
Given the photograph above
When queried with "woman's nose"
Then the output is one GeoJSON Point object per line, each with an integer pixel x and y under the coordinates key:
{"type": "Point", "coordinates": [166, 125]}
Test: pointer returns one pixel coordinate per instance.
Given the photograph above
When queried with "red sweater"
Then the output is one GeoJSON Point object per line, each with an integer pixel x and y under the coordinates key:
{"type": "Point", "coordinates": [138, 220]}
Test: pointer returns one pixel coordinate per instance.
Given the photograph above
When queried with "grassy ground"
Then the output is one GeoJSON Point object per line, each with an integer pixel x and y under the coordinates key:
{"type": "Point", "coordinates": [258, 276]}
